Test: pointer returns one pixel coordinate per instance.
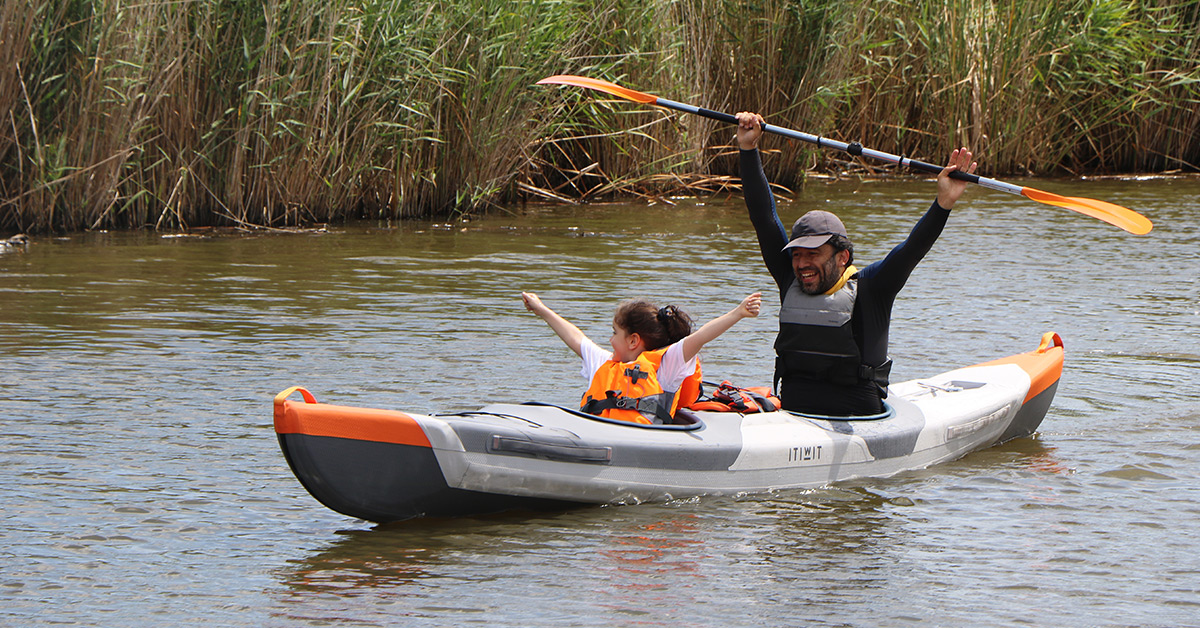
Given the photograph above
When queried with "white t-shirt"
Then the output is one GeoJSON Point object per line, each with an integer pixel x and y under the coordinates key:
{"type": "Point", "coordinates": [671, 373]}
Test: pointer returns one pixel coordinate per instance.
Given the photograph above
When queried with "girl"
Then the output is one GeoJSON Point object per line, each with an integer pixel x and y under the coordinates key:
{"type": "Point", "coordinates": [653, 353]}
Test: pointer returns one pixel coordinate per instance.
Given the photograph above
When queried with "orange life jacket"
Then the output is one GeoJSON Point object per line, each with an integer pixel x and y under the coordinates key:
{"type": "Point", "coordinates": [630, 391]}
{"type": "Point", "coordinates": [730, 398]}
{"type": "Point", "coordinates": [689, 390]}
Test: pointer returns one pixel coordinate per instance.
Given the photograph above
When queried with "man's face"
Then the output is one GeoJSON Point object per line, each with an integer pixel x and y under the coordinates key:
{"type": "Point", "coordinates": [818, 269]}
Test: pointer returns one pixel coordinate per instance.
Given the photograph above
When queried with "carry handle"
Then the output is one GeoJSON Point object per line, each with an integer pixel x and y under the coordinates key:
{"type": "Point", "coordinates": [281, 397]}
{"type": "Point", "coordinates": [1050, 340]}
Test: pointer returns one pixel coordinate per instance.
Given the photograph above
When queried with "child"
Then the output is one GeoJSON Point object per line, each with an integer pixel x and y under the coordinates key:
{"type": "Point", "coordinates": [653, 353]}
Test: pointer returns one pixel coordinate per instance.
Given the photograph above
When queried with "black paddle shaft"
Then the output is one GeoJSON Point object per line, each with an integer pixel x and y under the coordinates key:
{"type": "Point", "coordinates": [853, 148]}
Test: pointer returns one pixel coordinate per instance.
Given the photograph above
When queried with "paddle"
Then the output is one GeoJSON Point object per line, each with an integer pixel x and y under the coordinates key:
{"type": "Point", "coordinates": [1126, 219]}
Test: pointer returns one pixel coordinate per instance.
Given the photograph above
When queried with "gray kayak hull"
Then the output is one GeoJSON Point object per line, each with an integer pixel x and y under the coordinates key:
{"type": "Point", "coordinates": [383, 466]}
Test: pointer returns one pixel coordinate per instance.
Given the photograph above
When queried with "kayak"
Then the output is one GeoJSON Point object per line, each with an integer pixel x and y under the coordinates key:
{"type": "Point", "coordinates": [386, 465]}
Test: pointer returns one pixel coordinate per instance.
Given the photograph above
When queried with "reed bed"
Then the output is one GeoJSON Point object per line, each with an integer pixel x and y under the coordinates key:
{"type": "Point", "coordinates": [185, 113]}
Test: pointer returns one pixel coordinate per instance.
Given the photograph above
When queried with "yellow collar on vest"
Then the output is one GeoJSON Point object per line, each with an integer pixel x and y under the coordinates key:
{"type": "Point", "coordinates": [850, 270]}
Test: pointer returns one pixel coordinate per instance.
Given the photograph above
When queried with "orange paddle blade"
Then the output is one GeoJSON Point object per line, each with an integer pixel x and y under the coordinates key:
{"type": "Point", "coordinates": [599, 85]}
{"type": "Point", "coordinates": [1126, 219]}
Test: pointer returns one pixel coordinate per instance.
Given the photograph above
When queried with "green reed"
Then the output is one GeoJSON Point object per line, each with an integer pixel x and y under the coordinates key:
{"type": "Point", "coordinates": [285, 112]}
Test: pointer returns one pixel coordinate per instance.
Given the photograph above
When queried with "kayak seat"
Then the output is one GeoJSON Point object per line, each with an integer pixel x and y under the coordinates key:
{"type": "Point", "coordinates": [684, 416]}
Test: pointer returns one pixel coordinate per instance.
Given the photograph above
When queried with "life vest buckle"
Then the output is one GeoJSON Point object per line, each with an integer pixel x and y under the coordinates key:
{"type": "Point", "coordinates": [636, 373]}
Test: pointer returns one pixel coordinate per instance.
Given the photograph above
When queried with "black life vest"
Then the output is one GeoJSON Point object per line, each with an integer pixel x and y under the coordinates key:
{"type": "Point", "coordinates": [816, 340]}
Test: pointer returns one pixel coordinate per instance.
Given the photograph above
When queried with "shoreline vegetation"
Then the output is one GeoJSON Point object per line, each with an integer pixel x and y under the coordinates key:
{"type": "Point", "coordinates": [276, 113]}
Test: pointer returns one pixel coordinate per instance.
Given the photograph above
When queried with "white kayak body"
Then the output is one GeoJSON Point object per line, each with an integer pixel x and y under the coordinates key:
{"type": "Point", "coordinates": [383, 466]}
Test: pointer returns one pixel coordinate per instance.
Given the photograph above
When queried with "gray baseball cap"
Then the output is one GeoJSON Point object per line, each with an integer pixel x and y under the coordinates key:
{"type": "Point", "coordinates": [814, 229]}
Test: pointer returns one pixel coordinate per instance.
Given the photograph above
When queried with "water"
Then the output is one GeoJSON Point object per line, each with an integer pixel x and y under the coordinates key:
{"type": "Point", "coordinates": [141, 483]}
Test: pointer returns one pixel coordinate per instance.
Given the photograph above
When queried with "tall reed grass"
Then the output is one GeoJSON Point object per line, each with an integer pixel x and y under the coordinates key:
{"type": "Point", "coordinates": [283, 112]}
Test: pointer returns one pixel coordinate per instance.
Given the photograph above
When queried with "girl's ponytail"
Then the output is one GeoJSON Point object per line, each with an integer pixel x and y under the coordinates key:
{"type": "Point", "coordinates": [658, 327]}
{"type": "Point", "coordinates": [676, 323]}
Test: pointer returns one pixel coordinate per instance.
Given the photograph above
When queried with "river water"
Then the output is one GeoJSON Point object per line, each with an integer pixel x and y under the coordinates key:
{"type": "Point", "coordinates": [141, 483]}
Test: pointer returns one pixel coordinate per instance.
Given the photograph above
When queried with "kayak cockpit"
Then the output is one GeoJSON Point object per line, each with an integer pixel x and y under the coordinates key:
{"type": "Point", "coordinates": [684, 419]}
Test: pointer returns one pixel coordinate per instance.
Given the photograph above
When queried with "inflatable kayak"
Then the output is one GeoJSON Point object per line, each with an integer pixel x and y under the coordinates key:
{"type": "Point", "coordinates": [384, 465]}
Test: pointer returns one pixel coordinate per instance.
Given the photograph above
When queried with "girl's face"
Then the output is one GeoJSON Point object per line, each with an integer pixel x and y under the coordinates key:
{"type": "Point", "coordinates": [624, 345]}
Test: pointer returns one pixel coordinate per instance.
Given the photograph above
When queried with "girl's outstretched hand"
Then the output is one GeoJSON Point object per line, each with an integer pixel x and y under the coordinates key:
{"type": "Point", "coordinates": [533, 303]}
{"type": "Point", "coordinates": [751, 305]}
{"type": "Point", "coordinates": [569, 333]}
{"type": "Point", "coordinates": [748, 308]}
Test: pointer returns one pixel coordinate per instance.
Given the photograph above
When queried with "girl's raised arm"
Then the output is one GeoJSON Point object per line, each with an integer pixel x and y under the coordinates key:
{"type": "Point", "coordinates": [748, 308]}
{"type": "Point", "coordinates": [570, 334]}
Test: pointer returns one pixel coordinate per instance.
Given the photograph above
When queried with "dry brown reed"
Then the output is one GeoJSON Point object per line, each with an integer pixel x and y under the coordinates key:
{"type": "Point", "coordinates": [183, 113]}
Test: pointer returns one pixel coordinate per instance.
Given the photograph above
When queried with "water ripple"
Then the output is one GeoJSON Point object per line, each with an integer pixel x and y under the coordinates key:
{"type": "Point", "coordinates": [142, 483]}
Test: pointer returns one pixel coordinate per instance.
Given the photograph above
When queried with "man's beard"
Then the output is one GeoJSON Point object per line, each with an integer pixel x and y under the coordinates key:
{"type": "Point", "coordinates": [826, 277]}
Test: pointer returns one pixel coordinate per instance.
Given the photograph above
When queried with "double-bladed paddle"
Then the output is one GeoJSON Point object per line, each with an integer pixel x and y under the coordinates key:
{"type": "Point", "coordinates": [1126, 219]}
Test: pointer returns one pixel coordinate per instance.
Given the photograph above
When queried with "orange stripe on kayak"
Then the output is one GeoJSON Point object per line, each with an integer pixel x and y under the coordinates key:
{"type": "Point", "coordinates": [1044, 365]}
{"type": "Point", "coordinates": [320, 419]}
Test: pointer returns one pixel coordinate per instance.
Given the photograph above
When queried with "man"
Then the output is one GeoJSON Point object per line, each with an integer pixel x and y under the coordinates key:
{"type": "Point", "coordinates": [833, 322]}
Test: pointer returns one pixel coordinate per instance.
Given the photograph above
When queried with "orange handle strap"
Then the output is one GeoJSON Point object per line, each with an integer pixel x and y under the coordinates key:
{"type": "Point", "coordinates": [281, 397]}
{"type": "Point", "coordinates": [1049, 340]}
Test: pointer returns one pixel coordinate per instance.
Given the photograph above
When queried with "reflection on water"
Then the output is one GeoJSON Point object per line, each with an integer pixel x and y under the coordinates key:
{"type": "Point", "coordinates": [826, 552]}
{"type": "Point", "coordinates": [142, 482]}
{"type": "Point", "coordinates": [363, 560]}
{"type": "Point", "coordinates": [608, 560]}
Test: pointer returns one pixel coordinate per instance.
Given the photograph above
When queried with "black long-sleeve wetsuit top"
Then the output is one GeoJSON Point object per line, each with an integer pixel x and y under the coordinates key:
{"type": "Point", "coordinates": [878, 285]}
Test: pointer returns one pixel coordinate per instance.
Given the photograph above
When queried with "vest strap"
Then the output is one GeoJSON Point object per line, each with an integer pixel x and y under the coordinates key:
{"type": "Point", "coordinates": [878, 374]}
{"type": "Point", "coordinates": [658, 406]}
{"type": "Point", "coordinates": [823, 367]}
